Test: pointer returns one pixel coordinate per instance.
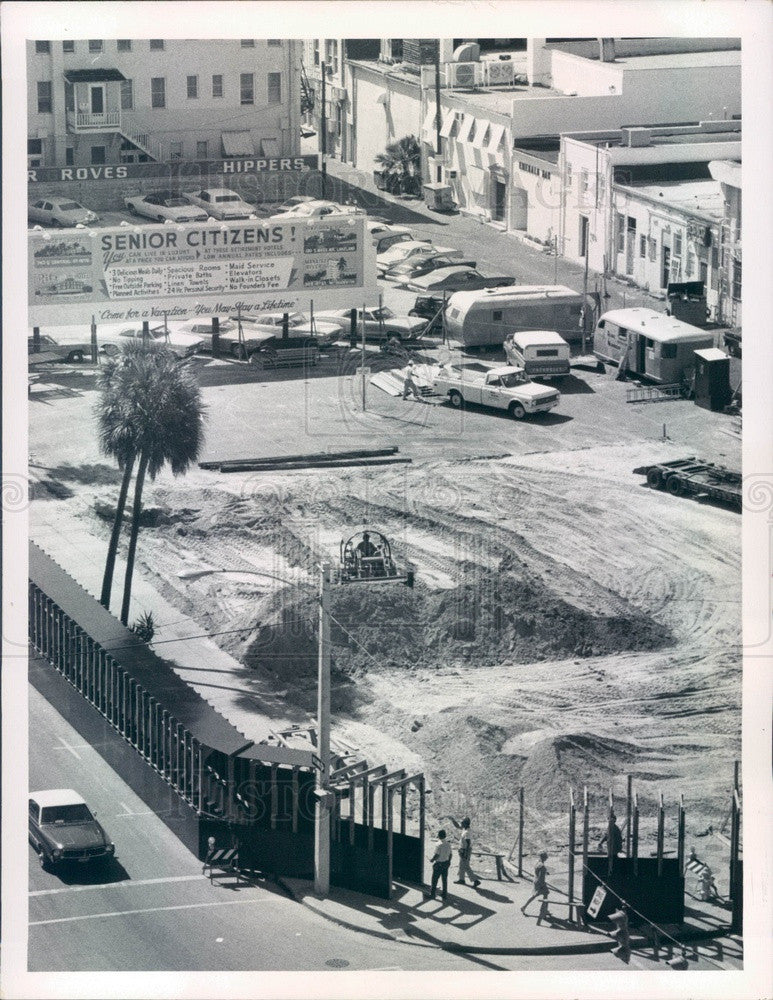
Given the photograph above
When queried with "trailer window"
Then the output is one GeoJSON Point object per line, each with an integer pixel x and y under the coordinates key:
{"type": "Point", "coordinates": [668, 351]}
{"type": "Point", "coordinates": [547, 353]}
{"type": "Point", "coordinates": [497, 315]}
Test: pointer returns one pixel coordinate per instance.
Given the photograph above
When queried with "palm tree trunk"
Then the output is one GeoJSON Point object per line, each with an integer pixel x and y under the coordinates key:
{"type": "Point", "coordinates": [127, 586]}
{"type": "Point", "coordinates": [112, 549]}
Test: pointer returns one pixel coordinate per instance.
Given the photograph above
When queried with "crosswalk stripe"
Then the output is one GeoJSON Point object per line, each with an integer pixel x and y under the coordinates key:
{"type": "Point", "coordinates": [150, 909]}
{"type": "Point", "coordinates": [118, 885]}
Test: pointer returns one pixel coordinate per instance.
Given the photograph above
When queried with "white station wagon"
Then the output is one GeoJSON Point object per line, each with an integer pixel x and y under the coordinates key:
{"type": "Point", "coordinates": [221, 203]}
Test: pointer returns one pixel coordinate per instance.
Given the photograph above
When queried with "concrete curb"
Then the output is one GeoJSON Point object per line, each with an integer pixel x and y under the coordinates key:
{"type": "Point", "coordinates": [410, 935]}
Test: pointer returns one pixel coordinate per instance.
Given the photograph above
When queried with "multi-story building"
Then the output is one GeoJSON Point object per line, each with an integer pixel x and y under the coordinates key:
{"type": "Point", "coordinates": [727, 174]}
{"type": "Point", "coordinates": [113, 101]}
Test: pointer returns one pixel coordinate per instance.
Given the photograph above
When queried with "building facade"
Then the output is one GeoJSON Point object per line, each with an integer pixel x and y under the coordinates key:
{"type": "Point", "coordinates": [112, 101]}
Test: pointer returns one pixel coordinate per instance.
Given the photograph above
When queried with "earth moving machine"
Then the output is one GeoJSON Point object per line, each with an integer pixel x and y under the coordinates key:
{"type": "Point", "coordinates": [503, 388]}
{"type": "Point", "coordinates": [694, 477]}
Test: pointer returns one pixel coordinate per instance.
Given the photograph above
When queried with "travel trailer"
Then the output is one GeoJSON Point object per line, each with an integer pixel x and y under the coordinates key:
{"type": "Point", "coordinates": [650, 344]}
{"type": "Point", "coordinates": [485, 318]}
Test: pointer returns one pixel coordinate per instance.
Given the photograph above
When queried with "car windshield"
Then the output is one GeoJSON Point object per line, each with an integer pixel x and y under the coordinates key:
{"type": "Point", "coordinates": [227, 197]}
{"type": "Point", "coordinates": [78, 812]}
{"type": "Point", "coordinates": [514, 378]}
{"type": "Point", "coordinates": [70, 206]}
{"type": "Point", "coordinates": [383, 313]}
{"type": "Point", "coordinates": [175, 202]}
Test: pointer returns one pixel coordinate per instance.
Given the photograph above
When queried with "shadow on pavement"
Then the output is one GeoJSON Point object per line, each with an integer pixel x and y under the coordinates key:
{"type": "Point", "coordinates": [570, 385]}
{"type": "Point", "coordinates": [96, 873]}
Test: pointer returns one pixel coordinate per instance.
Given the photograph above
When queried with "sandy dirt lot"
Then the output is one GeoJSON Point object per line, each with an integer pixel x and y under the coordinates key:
{"type": "Point", "coordinates": [568, 626]}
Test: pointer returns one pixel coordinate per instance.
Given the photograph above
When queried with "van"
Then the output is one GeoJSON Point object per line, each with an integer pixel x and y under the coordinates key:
{"type": "Point", "coordinates": [541, 353]}
{"type": "Point", "coordinates": [650, 344]}
{"type": "Point", "coordinates": [485, 318]}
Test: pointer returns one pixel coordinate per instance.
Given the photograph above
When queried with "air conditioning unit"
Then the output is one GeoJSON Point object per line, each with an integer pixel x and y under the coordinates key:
{"type": "Point", "coordinates": [497, 74]}
{"type": "Point", "coordinates": [463, 74]}
{"type": "Point", "coordinates": [451, 175]}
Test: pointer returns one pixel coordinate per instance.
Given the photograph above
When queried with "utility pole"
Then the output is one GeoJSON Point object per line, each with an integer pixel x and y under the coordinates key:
{"type": "Point", "coordinates": [322, 824]}
{"type": "Point", "coordinates": [362, 356]}
{"type": "Point", "coordinates": [323, 126]}
{"type": "Point", "coordinates": [438, 141]}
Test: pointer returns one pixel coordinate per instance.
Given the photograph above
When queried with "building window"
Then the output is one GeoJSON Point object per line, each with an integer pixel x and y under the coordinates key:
{"type": "Point", "coordinates": [652, 249]}
{"type": "Point", "coordinates": [157, 92]}
{"type": "Point", "coordinates": [69, 97]}
{"type": "Point", "coordinates": [274, 88]}
{"type": "Point", "coordinates": [98, 154]}
{"type": "Point", "coordinates": [156, 44]}
{"type": "Point", "coordinates": [217, 85]}
{"type": "Point", "coordinates": [202, 151]}
{"type": "Point", "coordinates": [316, 52]}
{"type": "Point", "coordinates": [642, 246]}
{"type": "Point", "coordinates": [127, 95]}
{"type": "Point", "coordinates": [175, 150]}
{"type": "Point", "coordinates": [44, 97]}
{"type": "Point", "coordinates": [42, 46]}
{"type": "Point", "coordinates": [737, 280]}
{"type": "Point", "coordinates": [620, 231]}
{"type": "Point", "coordinates": [69, 156]}
{"type": "Point", "coordinates": [68, 46]}
{"type": "Point", "coordinates": [677, 244]}
{"type": "Point", "coordinates": [584, 182]}
{"type": "Point", "coordinates": [689, 264]}
{"type": "Point", "coordinates": [192, 83]}
{"type": "Point", "coordinates": [274, 41]}
{"type": "Point", "coordinates": [600, 187]}
{"type": "Point", "coordinates": [95, 45]}
{"type": "Point", "coordinates": [124, 45]}
{"type": "Point", "coordinates": [34, 147]}
{"type": "Point", "coordinates": [248, 43]}
{"type": "Point", "coordinates": [247, 88]}
{"type": "Point", "coordinates": [568, 174]}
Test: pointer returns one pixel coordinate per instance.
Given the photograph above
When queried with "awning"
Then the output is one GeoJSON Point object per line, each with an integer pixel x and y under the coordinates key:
{"type": "Point", "coordinates": [449, 119]}
{"type": "Point", "coordinates": [93, 75]}
{"type": "Point", "coordinates": [270, 148]}
{"type": "Point", "coordinates": [466, 127]}
{"type": "Point", "coordinates": [476, 177]}
{"type": "Point", "coordinates": [238, 144]}
{"type": "Point", "coordinates": [480, 134]}
{"type": "Point", "coordinates": [429, 123]}
{"type": "Point", "coordinates": [495, 137]}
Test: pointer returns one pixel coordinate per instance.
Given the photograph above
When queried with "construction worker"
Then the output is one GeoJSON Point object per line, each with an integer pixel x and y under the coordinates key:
{"type": "Point", "coordinates": [465, 853]}
{"type": "Point", "coordinates": [409, 386]}
{"type": "Point", "coordinates": [540, 885]}
{"type": "Point", "coordinates": [441, 862]}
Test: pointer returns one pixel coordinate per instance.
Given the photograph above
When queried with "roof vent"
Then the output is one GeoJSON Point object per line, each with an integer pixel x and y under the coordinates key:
{"type": "Point", "coordinates": [636, 136]}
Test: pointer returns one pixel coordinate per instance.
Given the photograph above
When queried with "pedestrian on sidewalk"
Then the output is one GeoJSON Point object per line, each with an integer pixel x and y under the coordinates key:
{"type": "Point", "coordinates": [540, 885]}
{"type": "Point", "coordinates": [409, 386]}
{"type": "Point", "coordinates": [465, 853]}
{"type": "Point", "coordinates": [441, 862]}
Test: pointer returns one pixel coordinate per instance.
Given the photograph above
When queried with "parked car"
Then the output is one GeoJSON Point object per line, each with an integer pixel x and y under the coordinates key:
{"type": "Point", "coordinates": [295, 200]}
{"type": "Point", "coordinates": [416, 267]}
{"type": "Point", "coordinates": [410, 248]}
{"type": "Point", "coordinates": [429, 307]}
{"type": "Point", "coordinates": [52, 350]}
{"type": "Point", "coordinates": [201, 329]}
{"type": "Point", "coordinates": [387, 240]}
{"type": "Point", "coordinates": [181, 344]}
{"type": "Point", "coordinates": [324, 332]}
{"type": "Point", "coordinates": [381, 322]}
{"type": "Point", "coordinates": [163, 205]}
{"type": "Point", "coordinates": [62, 828]}
{"type": "Point", "coordinates": [457, 279]}
{"type": "Point", "coordinates": [221, 203]}
{"type": "Point", "coordinates": [318, 209]}
{"type": "Point", "coordinates": [503, 388]}
{"type": "Point", "coordinates": [60, 212]}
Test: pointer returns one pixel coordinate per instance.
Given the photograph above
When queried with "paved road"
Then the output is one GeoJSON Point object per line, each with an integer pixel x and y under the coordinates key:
{"type": "Point", "coordinates": [152, 910]}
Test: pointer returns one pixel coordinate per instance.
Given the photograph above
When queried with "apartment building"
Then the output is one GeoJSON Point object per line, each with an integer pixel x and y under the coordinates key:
{"type": "Point", "coordinates": [116, 101]}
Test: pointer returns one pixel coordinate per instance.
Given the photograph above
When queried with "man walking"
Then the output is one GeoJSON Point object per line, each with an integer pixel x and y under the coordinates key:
{"type": "Point", "coordinates": [465, 853]}
{"type": "Point", "coordinates": [409, 386]}
{"type": "Point", "coordinates": [540, 885]}
{"type": "Point", "coordinates": [441, 862]}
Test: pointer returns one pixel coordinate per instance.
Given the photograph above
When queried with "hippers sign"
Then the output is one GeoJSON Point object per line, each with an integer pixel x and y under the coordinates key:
{"type": "Point", "coordinates": [145, 271]}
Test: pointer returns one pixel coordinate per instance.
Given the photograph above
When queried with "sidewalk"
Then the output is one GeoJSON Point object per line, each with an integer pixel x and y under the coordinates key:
{"type": "Point", "coordinates": [488, 920]}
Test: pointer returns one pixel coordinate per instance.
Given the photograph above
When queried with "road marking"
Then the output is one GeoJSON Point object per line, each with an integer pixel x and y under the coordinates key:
{"type": "Point", "coordinates": [66, 746]}
{"type": "Point", "coordinates": [150, 909]}
{"type": "Point", "coordinates": [127, 884]}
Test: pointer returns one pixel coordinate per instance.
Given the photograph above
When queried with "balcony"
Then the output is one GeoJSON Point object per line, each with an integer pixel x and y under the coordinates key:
{"type": "Point", "coordinates": [89, 121]}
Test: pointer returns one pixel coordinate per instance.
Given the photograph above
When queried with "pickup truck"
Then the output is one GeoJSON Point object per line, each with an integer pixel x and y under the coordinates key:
{"type": "Point", "coordinates": [504, 388]}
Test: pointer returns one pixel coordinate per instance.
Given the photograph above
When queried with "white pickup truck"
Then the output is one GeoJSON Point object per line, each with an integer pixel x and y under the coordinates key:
{"type": "Point", "coordinates": [501, 388]}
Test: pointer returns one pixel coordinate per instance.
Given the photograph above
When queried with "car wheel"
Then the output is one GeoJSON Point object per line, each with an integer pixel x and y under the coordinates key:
{"type": "Point", "coordinates": [456, 399]}
{"type": "Point", "coordinates": [132, 208]}
{"type": "Point", "coordinates": [655, 479]}
{"type": "Point", "coordinates": [75, 357]}
{"type": "Point", "coordinates": [111, 350]}
{"type": "Point", "coordinates": [674, 486]}
{"type": "Point", "coordinates": [44, 863]}
{"type": "Point", "coordinates": [517, 412]}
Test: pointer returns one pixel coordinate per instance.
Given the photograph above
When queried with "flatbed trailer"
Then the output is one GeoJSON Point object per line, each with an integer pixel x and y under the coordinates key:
{"type": "Point", "coordinates": [694, 477]}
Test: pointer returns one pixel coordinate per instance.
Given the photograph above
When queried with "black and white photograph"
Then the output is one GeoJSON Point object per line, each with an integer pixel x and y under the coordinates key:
{"type": "Point", "coordinates": [387, 509]}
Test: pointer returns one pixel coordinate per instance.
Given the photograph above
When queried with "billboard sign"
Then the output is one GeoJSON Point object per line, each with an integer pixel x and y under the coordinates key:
{"type": "Point", "coordinates": [176, 170]}
{"type": "Point", "coordinates": [145, 272]}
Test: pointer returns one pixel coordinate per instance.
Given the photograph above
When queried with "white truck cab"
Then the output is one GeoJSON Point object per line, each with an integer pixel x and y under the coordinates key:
{"type": "Point", "coordinates": [506, 388]}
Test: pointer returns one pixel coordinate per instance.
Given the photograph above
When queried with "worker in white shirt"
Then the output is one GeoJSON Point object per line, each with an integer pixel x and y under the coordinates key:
{"type": "Point", "coordinates": [441, 862]}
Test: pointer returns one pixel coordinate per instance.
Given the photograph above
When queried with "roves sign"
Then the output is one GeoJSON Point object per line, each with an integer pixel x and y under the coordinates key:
{"type": "Point", "coordinates": [182, 169]}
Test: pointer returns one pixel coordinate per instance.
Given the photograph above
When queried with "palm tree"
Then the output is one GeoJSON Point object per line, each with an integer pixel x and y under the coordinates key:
{"type": "Point", "coordinates": [150, 412]}
{"type": "Point", "coordinates": [401, 162]}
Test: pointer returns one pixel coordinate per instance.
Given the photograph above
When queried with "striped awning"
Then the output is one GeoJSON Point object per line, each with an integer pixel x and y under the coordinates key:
{"type": "Point", "coordinates": [495, 137]}
{"type": "Point", "coordinates": [465, 128]}
{"type": "Point", "coordinates": [428, 128]}
{"type": "Point", "coordinates": [481, 132]}
{"type": "Point", "coordinates": [449, 120]}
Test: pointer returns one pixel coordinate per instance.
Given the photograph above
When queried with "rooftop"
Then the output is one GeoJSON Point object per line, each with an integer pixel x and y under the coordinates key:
{"type": "Point", "coordinates": [676, 60]}
{"type": "Point", "coordinates": [679, 136]}
{"type": "Point", "coordinates": [703, 197]}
